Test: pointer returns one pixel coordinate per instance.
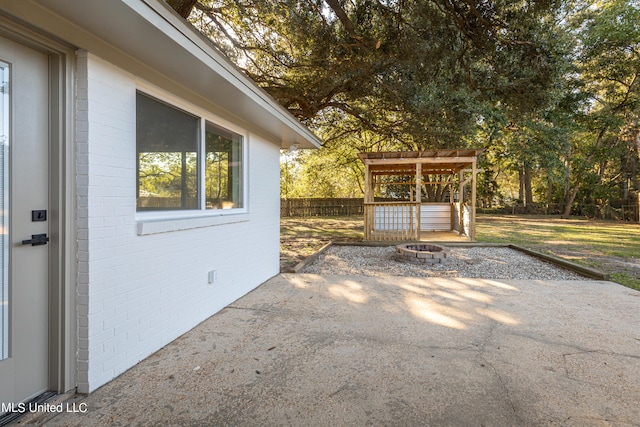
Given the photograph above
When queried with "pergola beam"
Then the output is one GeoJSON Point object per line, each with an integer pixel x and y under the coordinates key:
{"type": "Point", "coordinates": [466, 161]}
{"type": "Point", "coordinates": [420, 154]}
{"type": "Point", "coordinates": [414, 182]}
{"type": "Point", "coordinates": [412, 172]}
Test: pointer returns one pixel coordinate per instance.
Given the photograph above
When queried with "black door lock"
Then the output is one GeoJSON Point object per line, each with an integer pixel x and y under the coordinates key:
{"type": "Point", "coordinates": [36, 240]}
{"type": "Point", "coordinates": [39, 215]}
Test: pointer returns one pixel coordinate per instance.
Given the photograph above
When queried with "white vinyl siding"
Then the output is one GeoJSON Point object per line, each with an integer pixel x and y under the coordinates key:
{"type": "Point", "coordinates": [435, 217]}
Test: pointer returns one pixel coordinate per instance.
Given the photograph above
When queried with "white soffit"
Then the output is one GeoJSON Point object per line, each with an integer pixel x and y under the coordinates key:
{"type": "Point", "coordinates": [148, 34]}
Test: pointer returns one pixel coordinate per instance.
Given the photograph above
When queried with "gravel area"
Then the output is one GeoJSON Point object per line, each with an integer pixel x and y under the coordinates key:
{"type": "Point", "coordinates": [474, 262]}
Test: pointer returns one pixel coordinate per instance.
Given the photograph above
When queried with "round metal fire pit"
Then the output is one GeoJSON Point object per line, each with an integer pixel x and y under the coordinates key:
{"type": "Point", "coordinates": [422, 253]}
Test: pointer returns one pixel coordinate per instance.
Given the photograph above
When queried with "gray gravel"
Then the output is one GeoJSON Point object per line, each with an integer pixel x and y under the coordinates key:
{"type": "Point", "coordinates": [470, 262]}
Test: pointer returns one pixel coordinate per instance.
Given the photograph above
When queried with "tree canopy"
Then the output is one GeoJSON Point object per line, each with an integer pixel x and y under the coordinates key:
{"type": "Point", "coordinates": [544, 85]}
{"type": "Point", "coordinates": [419, 72]}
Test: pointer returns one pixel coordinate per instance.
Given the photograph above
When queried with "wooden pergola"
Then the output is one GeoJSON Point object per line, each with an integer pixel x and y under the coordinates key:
{"type": "Point", "coordinates": [413, 218]}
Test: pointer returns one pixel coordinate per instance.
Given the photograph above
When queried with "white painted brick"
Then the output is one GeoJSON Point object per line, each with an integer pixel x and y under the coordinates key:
{"type": "Point", "coordinates": [83, 355]}
{"type": "Point", "coordinates": [83, 332]}
{"type": "Point", "coordinates": [138, 293]}
{"type": "Point", "coordinates": [82, 299]}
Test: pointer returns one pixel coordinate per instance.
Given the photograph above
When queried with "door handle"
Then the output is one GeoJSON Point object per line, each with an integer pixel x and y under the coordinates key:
{"type": "Point", "coordinates": [36, 240]}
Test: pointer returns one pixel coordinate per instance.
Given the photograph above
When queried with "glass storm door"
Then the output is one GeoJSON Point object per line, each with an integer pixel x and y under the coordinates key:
{"type": "Point", "coordinates": [24, 199]}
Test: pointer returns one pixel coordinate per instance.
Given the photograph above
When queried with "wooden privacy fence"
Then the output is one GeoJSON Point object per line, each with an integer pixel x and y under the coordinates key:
{"type": "Point", "coordinates": [616, 211]}
{"type": "Point", "coordinates": [301, 207]}
{"type": "Point", "coordinates": [321, 207]}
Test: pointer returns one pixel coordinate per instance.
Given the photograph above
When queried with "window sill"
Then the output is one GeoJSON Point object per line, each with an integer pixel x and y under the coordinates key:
{"type": "Point", "coordinates": [165, 222]}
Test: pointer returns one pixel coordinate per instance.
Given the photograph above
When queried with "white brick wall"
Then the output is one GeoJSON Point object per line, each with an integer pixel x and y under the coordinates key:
{"type": "Point", "coordinates": [136, 293]}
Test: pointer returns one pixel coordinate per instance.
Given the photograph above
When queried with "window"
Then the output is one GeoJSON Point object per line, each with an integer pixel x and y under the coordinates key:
{"type": "Point", "coordinates": [223, 164]}
{"type": "Point", "coordinates": [173, 174]}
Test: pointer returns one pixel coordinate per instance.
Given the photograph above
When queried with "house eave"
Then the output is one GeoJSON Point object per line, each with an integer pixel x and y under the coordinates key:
{"type": "Point", "coordinates": [144, 36]}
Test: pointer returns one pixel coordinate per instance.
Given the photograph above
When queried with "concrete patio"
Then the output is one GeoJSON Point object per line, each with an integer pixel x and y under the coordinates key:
{"type": "Point", "coordinates": [344, 350]}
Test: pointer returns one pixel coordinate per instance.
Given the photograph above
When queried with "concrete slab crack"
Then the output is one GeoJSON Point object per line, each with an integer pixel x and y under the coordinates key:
{"type": "Point", "coordinates": [481, 353]}
{"type": "Point", "coordinates": [606, 353]}
{"type": "Point", "coordinates": [252, 309]}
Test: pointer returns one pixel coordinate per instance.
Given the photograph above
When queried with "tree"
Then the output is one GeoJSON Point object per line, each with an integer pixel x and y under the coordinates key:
{"type": "Point", "coordinates": [416, 72]}
{"type": "Point", "coordinates": [334, 171]}
{"type": "Point", "coordinates": [549, 88]}
{"type": "Point", "coordinates": [609, 66]}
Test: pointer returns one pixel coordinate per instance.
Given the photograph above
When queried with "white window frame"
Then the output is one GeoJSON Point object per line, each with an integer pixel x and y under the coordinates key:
{"type": "Point", "coordinates": [158, 221]}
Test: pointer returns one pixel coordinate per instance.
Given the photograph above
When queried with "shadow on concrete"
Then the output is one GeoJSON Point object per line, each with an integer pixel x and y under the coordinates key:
{"type": "Point", "coordinates": [344, 350]}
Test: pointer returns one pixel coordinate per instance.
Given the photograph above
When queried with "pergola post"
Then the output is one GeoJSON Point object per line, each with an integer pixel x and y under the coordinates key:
{"type": "Point", "coordinates": [451, 201]}
{"type": "Point", "coordinates": [473, 201]}
{"type": "Point", "coordinates": [461, 201]}
{"type": "Point", "coordinates": [418, 198]}
{"type": "Point", "coordinates": [367, 191]}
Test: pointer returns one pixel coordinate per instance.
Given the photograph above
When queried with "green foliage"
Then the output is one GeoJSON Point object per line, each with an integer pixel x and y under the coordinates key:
{"type": "Point", "coordinates": [604, 152]}
{"type": "Point", "coordinates": [549, 88]}
{"type": "Point", "coordinates": [320, 173]}
{"type": "Point", "coordinates": [583, 144]}
{"type": "Point", "coordinates": [416, 72]}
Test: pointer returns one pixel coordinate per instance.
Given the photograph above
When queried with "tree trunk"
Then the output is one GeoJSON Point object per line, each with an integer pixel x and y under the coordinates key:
{"type": "Point", "coordinates": [635, 155]}
{"type": "Point", "coordinates": [570, 197]}
{"type": "Point", "coordinates": [567, 188]}
{"type": "Point", "coordinates": [183, 7]}
{"type": "Point", "coordinates": [521, 188]}
{"type": "Point", "coordinates": [431, 196]}
{"type": "Point", "coordinates": [624, 190]}
{"type": "Point", "coordinates": [567, 209]}
{"type": "Point", "coordinates": [440, 192]}
{"type": "Point", "coordinates": [527, 190]}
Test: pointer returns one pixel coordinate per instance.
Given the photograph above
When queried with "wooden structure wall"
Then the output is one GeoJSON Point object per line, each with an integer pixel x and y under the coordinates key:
{"type": "Point", "coordinates": [401, 220]}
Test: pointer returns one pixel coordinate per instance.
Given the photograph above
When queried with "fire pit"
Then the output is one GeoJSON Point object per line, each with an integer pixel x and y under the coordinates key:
{"type": "Point", "coordinates": [422, 253]}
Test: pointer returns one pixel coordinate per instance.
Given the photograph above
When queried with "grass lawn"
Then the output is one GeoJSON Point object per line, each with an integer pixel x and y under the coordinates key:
{"type": "Point", "coordinates": [608, 246]}
{"type": "Point", "coordinates": [301, 237]}
{"type": "Point", "coordinates": [611, 247]}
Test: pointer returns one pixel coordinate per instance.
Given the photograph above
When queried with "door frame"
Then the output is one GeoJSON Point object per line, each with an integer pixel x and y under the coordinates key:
{"type": "Point", "coordinates": [62, 201]}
